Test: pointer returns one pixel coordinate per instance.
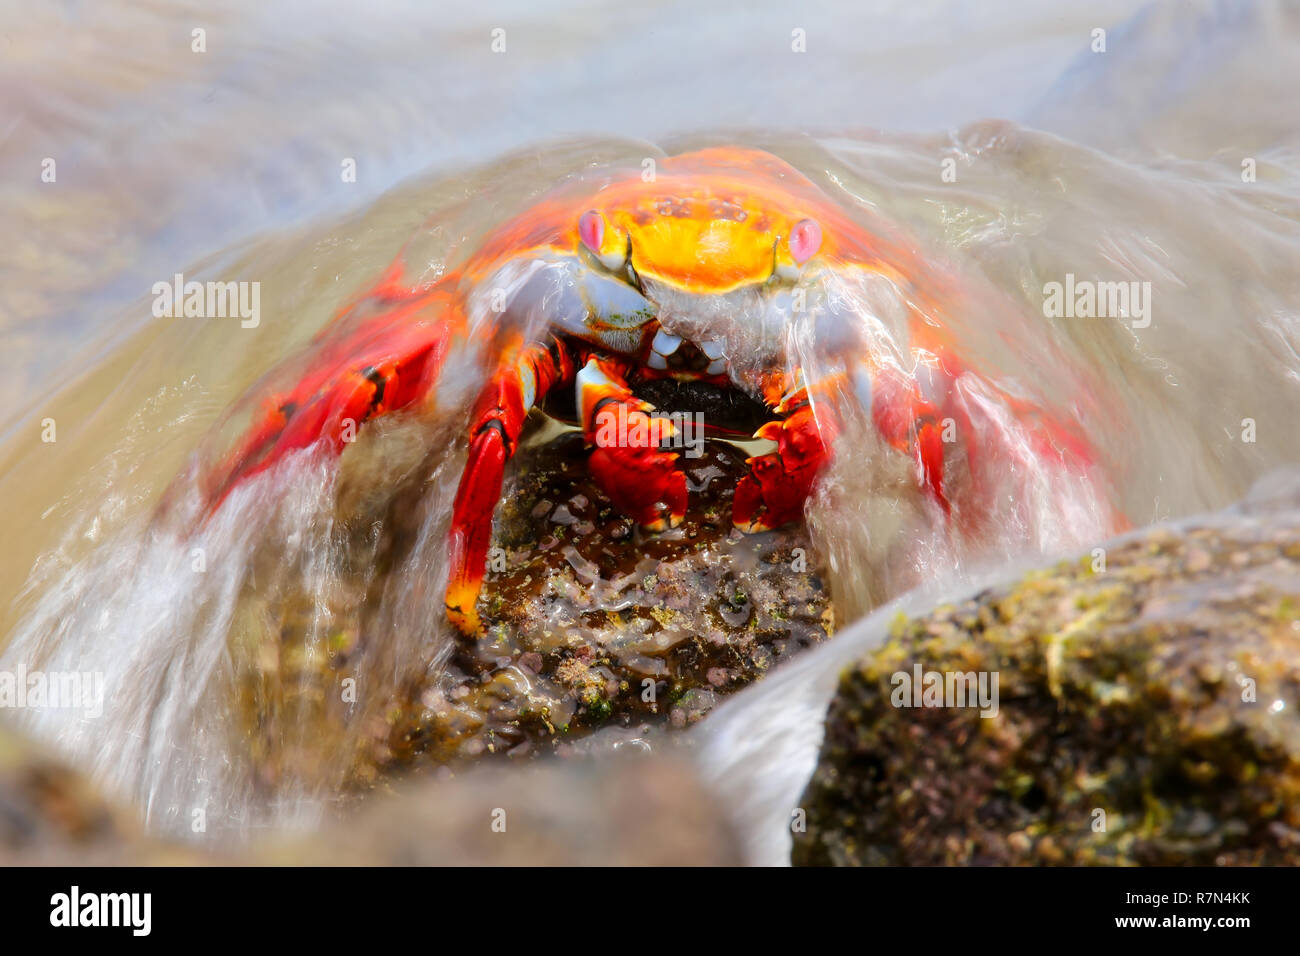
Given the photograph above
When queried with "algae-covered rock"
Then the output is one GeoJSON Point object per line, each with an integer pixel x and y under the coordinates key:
{"type": "Point", "coordinates": [1147, 712]}
{"type": "Point", "coordinates": [592, 624]}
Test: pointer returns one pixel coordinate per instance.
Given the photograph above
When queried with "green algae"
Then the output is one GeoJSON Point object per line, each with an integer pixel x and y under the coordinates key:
{"type": "Point", "coordinates": [1148, 716]}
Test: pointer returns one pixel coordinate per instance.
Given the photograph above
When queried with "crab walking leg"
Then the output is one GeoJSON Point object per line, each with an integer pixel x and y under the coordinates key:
{"type": "Point", "coordinates": [641, 479]}
{"type": "Point", "coordinates": [359, 372]}
{"type": "Point", "coordinates": [494, 432]}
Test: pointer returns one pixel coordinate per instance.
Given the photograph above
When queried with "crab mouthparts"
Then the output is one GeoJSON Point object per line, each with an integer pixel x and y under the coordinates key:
{"type": "Point", "coordinates": [670, 352]}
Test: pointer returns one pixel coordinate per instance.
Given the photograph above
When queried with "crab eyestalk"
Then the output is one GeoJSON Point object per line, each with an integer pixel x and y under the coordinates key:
{"type": "Point", "coordinates": [801, 245]}
{"type": "Point", "coordinates": [607, 245]}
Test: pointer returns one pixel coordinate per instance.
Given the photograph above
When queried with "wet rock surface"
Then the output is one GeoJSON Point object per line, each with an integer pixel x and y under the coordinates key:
{"type": "Point", "coordinates": [598, 636]}
{"type": "Point", "coordinates": [629, 810]}
{"type": "Point", "coordinates": [51, 815]}
{"type": "Point", "coordinates": [625, 810]}
{"type": "Point", "coordinates": [594, 626]}
{"type": "Point", "coordinates": [1149, 713]}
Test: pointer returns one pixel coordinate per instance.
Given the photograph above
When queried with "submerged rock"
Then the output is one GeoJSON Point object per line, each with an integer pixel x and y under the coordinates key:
{"type": "Point", "coordinates": [591, 625]}
{"type": "Point", "coordinates": [1148, 712]}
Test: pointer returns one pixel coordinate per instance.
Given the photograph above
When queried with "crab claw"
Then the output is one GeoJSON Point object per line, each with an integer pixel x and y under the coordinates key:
{"type": "Point", "coordinates": [643, 481]}
{"type": "Point", "coordinates": [774, 492]}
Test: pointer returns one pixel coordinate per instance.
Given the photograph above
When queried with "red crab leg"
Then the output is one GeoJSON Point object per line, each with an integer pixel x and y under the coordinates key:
{"type": "Point", "coordinates": [641, 480]}
{"type": "Point", "coordinates": [357, 371]}
{"type": "Point", "coordinates": [498, 420]}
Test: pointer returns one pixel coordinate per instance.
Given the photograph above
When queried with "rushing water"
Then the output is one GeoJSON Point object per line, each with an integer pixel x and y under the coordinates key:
{"type": "Point", "coordinates": [1123, 166]}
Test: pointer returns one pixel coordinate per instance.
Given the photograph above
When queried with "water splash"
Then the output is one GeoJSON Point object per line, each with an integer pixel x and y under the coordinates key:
{"type": "Point", "coordinates": [175, 621]}
{"type": "Point", "coordinates": [117, 591]}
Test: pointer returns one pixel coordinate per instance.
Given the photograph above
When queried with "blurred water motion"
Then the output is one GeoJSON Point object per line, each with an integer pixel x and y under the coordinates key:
{"type": "Point", "coordinates": [1121, 166]}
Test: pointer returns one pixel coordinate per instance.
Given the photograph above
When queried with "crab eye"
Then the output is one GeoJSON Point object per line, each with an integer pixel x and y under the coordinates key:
{"type": "Point", "coordinates": [805, 240]}
{"type": "Point", "coordinates": [591, 229]}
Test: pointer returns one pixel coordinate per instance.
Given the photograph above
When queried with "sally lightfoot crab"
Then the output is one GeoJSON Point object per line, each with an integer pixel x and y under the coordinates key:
{"type": "Point", "coordinates": [727, 269]}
